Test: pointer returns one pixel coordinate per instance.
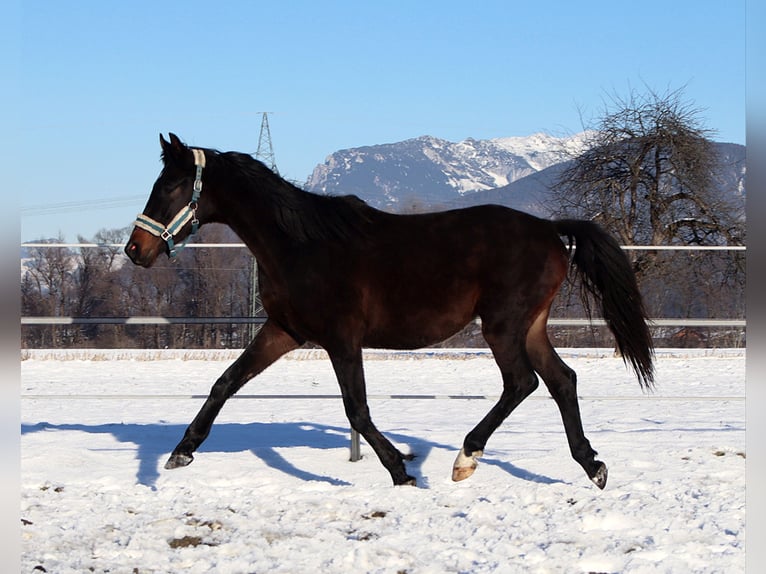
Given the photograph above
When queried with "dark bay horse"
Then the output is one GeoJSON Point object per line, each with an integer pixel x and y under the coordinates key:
{"type": "Point", "coordinates": [339, 273]}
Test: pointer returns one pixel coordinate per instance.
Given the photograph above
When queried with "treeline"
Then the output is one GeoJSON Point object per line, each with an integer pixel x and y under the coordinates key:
{"type": "Point", "coordinates": [676, 285]}
{"type": "Point", "coordinates": [100, 282]}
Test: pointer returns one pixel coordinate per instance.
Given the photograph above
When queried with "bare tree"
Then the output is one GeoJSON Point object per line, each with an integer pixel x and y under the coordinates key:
{"type": "Point", "coordinates": [46, 288]}
{"type": "Point", "coordinates": [650, 175]}
{"type": "Point", "coordinates": [94, 290]}
{"type": "Point", "coordinates": [218, 287]}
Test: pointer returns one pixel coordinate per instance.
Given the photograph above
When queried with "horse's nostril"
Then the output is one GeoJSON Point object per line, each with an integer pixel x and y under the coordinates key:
{"type": "Point", "coordinates": [131, 249]}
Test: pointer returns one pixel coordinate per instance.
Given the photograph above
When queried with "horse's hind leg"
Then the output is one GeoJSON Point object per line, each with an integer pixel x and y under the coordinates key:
{"type": "Point", "coordinates": [562, 384]}
{"type": "Point", "coordinates": [519, 381]}
{"type": "Point", "coordinates": [270, 344]}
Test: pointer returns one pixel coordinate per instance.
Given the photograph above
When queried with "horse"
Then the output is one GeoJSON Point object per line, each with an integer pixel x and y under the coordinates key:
{"type": "Point", "coordinates": [338, 273]}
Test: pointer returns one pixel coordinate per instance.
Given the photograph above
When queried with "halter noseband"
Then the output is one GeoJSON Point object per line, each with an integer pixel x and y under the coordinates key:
{"type": "Point", "coordinates": [186, 214]}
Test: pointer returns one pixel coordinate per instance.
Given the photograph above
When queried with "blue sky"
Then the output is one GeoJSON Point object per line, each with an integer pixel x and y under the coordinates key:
{"type": "Point", "coordinates": [98, 81]}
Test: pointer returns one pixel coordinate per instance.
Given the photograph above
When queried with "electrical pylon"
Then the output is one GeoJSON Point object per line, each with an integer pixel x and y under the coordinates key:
{"type": "Point", "coordinates": [264, 153]}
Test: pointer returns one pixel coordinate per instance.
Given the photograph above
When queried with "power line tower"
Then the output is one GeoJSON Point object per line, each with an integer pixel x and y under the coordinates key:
{"type": "Point", "coordinates": [265, 151]}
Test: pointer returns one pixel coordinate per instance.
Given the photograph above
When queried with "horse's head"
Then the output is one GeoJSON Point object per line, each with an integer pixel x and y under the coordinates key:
{"type": "Point", "coordinates": [170, 215]}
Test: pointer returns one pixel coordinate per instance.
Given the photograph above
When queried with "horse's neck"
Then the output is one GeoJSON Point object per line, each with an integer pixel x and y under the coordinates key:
{"type": "Point", "coordinates": [251, 218]}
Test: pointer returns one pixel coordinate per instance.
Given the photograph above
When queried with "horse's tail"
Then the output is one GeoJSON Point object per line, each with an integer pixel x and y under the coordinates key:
{"type": "Point", "coordinates": [607, 275]}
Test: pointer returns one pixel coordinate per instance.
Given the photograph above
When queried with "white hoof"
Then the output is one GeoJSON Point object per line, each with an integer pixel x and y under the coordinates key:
{"type": "Point", "coordinates": [599, 479]}
{"type": "Point", "coordinates": [465, 465]}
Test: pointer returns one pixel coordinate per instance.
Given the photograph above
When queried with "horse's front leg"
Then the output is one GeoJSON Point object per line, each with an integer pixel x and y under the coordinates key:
{"type": "Point", "coordinates": [348, 368]}
{"type": "Point", "coordinates": [270, 343]}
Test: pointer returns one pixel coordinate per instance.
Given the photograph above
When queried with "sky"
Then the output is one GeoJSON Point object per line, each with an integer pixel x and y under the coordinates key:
{"type": "Point", "coordinates": [99, 81]}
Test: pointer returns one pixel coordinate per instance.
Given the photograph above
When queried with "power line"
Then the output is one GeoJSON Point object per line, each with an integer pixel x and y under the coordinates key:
{"type": "Point", "coordinates": [82, 205]}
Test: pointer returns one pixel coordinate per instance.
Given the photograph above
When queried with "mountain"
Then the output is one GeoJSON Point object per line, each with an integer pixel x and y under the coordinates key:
{"type": "Point", "coordinates": [432, 172]}
{"type": "Point", "coordinates": [429, 173]}
{"type": "Point", "coordinates": [531, 193]}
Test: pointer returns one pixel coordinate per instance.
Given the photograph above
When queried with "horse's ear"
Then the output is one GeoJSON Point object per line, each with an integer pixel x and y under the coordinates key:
{"type": "Point", "coordinates": [174, 149]}
{"type": "Point", "coordinates": [176, 142]}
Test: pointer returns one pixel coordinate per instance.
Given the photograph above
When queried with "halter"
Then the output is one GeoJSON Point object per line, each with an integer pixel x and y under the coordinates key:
{"type": "Point", "coordinates": [186, 214]}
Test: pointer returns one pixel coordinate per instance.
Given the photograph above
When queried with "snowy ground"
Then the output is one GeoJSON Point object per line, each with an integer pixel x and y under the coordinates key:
{"type": "Point", "coordinates": [272, 489]}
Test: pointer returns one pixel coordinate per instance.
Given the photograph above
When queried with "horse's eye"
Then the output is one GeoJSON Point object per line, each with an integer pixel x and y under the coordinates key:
{"type": "Point", "coordinates": [176, 185]}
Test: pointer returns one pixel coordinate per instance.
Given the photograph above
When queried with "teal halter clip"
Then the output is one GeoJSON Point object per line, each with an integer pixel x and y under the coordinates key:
{"type": "Point", "coordinates": [186, 214]}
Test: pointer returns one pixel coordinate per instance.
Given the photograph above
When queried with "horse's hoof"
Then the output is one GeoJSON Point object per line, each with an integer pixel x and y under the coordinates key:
{"type": "Point", "coordinates": [178, 460]}
{"type": "Point", "coordinates": [599, 479]}
{"type": "Point", "coordinates": [459, 474]}
{"type": "Point", "coordinates": [465, 465]}
{"type": "Point", "coordinates": [406, 480]}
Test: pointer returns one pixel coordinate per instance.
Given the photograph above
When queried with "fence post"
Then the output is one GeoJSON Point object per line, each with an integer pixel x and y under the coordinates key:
{"type": "Point", "coordinates": [356, 453]}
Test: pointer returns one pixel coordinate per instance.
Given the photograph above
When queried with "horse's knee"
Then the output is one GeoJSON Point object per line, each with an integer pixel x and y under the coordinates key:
{"type": "Point", "coordinates": [359, 419]}
{"type": "Point", "coordinates": [221, 389]}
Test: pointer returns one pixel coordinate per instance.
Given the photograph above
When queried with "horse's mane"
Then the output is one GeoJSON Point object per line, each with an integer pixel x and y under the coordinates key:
{"type": "Point", "coordinates": [302, 215]}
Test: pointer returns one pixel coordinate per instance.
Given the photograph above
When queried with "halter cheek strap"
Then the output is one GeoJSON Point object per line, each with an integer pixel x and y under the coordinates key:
{"type": "Point", "coordinates": [186, 214]}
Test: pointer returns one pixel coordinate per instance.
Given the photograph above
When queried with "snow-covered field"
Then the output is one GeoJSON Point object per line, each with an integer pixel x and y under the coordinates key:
{"type": "Point", "coordinates": [272, 489]}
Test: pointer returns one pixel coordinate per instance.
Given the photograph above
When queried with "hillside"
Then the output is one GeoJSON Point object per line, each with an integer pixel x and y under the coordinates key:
{"type": "Point", "coordinates": [428, 173]}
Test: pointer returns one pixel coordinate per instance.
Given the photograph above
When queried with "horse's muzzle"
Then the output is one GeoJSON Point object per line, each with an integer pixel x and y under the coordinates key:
{"type": "Point", "coordinates": [143, 248]}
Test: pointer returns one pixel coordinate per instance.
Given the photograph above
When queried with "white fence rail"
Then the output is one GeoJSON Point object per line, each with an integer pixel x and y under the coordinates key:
{"type": "Point", "coordinates": [656, 322]}
{"type": "Point", "coordinates": [242, 245]}
{"type": "Point", "coordinates": [660, 322]}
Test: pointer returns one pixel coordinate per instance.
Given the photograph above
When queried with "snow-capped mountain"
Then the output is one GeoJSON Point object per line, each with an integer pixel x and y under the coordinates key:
{"type": "Point", "coordinates": [434, 172]}
{"type": "Point", "coordinates": [429, 173]}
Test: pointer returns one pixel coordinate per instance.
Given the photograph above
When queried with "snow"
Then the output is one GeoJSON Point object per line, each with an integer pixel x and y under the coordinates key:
{"type": "Point", "coordinates": [542, 150]}
{"type": "Point", "coordinates": [272, 489]}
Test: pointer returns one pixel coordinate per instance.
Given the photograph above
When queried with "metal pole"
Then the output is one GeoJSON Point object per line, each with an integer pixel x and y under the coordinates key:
{"type": "Point", "coordinates": [252, 329]}
{"type": "Point", "coordinates": [356, 453]}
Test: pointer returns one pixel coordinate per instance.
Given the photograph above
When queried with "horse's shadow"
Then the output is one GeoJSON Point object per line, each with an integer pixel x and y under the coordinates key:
{"type": "Point", "coordinates": [154, 441]}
